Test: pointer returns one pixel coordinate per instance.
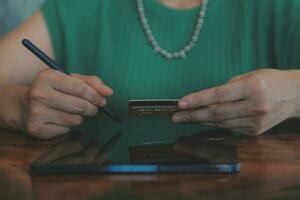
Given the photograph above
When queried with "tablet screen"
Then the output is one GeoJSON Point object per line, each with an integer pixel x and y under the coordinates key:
{"type": "Point", "coordinates": [211, 151]}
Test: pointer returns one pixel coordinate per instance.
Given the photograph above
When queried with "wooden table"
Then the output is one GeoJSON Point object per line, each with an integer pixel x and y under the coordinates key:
{"type": "Point", "coordinates": [270, 169]}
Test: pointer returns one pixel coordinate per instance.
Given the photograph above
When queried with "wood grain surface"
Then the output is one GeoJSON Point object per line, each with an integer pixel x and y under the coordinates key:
{"type": "Point", "coordinates": [270, 169]}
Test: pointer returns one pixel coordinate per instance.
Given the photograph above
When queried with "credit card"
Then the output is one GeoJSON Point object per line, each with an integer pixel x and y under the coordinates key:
{"type": "Point", "coordinates": [157, 107]}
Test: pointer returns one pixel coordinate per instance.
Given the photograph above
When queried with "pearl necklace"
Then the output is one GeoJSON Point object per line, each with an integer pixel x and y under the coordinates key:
{"type": "Point", "coordinates": [182, 53]}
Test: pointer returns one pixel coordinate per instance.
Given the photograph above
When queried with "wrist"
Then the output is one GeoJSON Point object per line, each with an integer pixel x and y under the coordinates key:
{"type": "Point", "coordinates": [13, 107]}
{"type": "Point", "coordinates": [294, 78]}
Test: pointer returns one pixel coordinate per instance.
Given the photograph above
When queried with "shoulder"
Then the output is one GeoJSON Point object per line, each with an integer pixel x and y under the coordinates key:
{"type": "Point", "coordinates": [81, 9]}
{"type": "Point", "coordinates": [277, 6]}
{"type": "Point", "coordinates": [86, 5]}
{"type": "Point", "coordinates": [271, 11]}
{"type": "Point", "coordinates": [270, 3]}
{"type": "Point", "coordinates": [74, 5]}
{"type": "Point", "coordinates": [263, 4]}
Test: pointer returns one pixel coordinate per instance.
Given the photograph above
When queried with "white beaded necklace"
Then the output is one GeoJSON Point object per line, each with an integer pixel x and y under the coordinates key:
{"type": "Point", "coordinates": [182, 53]}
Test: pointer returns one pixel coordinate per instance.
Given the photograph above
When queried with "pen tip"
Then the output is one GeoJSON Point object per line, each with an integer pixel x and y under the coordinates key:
{"type": "Point", "coordinates": [119, 119]}
{"type": "Point", "coordinates": [25, 42]}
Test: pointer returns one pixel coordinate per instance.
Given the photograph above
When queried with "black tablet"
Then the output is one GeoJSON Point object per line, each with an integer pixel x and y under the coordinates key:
{"type": "Point", "coordinates": [209, 152]}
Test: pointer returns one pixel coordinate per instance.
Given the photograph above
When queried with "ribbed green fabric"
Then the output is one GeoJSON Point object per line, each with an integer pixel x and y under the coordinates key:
{"type": "Point", "coordinates": [105, 38]}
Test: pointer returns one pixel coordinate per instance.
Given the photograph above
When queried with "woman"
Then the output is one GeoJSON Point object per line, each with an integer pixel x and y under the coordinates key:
{"type": "Point", "coordinates": [144, 49]}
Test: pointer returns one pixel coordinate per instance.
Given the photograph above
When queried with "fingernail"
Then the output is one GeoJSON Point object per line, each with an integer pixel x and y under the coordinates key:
{"type": "Point", "coordinates": [183, 104]}
{"type": "Point", "coordinates": [176, 118]}
{"type": "Point", "coordinates": [103, 103]}
{"type": "Point", "coordinates": [106, 87]}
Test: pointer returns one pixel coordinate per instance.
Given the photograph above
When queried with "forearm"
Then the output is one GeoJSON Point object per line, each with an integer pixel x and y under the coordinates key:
{"type": "Point", "coordinates": [13, 106]}
{"type": "Point", "coordinates": [23, 69]}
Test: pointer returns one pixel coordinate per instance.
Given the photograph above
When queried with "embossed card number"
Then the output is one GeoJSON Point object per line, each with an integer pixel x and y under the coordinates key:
{"type": "Point", "coordinates": [148, 107]}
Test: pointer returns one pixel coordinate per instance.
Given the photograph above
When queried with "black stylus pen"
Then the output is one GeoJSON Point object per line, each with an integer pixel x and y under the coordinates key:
{"type": "Point", "coordinates": [53, 65]}
{"type": "Point", "coordinates": [111, 142]}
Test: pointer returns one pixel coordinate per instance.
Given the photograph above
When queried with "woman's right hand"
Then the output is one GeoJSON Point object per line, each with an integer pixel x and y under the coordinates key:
{"type": "Point", "coordinates": [56, 102]}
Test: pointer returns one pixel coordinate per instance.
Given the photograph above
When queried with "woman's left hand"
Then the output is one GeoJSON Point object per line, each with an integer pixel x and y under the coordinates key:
{"type": "Point", "coordinates": [249, 104]}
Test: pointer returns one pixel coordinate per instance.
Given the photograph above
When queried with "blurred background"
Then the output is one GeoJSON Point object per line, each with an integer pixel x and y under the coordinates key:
{"type": "Point", "coordinates": [14, 12]}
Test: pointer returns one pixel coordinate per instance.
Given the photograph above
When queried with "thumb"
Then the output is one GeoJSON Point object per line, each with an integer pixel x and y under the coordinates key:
{"type": "Point", "coordinates": [238, 78]}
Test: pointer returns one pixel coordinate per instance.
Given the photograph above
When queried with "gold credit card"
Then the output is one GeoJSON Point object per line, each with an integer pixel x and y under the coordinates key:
{"type": "Point", "coordinates": [144, 107]}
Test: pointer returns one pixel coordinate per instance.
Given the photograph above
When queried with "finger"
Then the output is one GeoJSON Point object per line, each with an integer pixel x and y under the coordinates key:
{"type": "Point", "coordinates": [70, 104]}
{"type": "Point", "coordinates": [214, 124]}
{"type": "Point", "coordinates": [220, 94]}
{"type": "Point", "coordinates": [49, 131]}
{"type": "Point", "coordinates": [256, 125]}
{"type": "Point", "coordinates": [243, 130]}
{"type": "Point", "coordinates": [241, 123]}
{"type": "Point", "coordinates": [96, 83]}
{"type": "Point", "coordinates": [245, 125]}
{"type": "Point", "coordinates": [216, 113]}
{"type": "Point", "coordinates": [62, 118]}
{"type": "Point", "coordinates": [75, 87]}
{"type": "Point", "coordinates": [240, 78]}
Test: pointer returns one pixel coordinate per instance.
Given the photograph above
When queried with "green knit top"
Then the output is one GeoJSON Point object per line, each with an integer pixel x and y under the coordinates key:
{"type": "Point", "coordinates": [105, 38]}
